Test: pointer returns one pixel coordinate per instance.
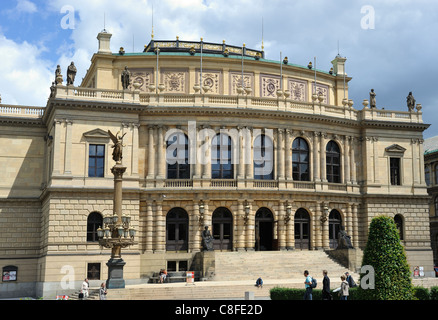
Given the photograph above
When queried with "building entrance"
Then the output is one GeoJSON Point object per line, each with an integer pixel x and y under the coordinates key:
{"type": "Point", "coordinates": [264, 229]}
{"type": "Point", "coordinates": [302, 229]}
{"type": "Point", "coordinates": [222, 222]}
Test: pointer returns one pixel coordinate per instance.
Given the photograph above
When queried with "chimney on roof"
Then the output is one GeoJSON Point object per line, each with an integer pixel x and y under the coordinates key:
{"type": "Point", "coordinates": [104, 42]}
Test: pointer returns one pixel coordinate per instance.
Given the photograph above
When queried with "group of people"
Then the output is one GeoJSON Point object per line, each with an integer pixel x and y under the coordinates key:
{"type": "Point", "coordinates": [84, 293]}
{"type": "Point", "coordinates": [347, 282]}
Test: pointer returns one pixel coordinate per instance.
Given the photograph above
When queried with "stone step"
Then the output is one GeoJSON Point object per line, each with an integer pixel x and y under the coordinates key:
{"type": "Point", "coordinates": [273, 264]}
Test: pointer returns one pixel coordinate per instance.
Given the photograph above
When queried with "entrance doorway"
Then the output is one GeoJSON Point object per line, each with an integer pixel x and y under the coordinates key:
{"type": "Point", "coordinates": [222, 222]}
{"type": "Point", "coordinates": [335, 222]}
{"type": "Point", "coordinates": [302, 229]}
{"type": "Point", "coordinates": [264, 229]}
{"type": "Point", "coordinates": [177, 226]}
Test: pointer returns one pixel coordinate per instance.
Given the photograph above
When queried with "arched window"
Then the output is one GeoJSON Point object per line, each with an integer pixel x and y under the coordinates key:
{"type": "Point", "coordinates": [94, 222]}
{"type": "Point", "coordinates": [335, 222]}
{"type": "Point", "coordinates": [300, 160]}
{"type": "Point", "coordinates": [398, 219]}
{"type": "Point", "coordinates": [221, 157]}
{"type": "Point", "coordinates": [333, 162]}
{"type": "Point", "coordinates": [177, 156]}
{"type": "Point", "coordinates": [177, 227]}
{"type": "Point", "coordinates": [263, 158]}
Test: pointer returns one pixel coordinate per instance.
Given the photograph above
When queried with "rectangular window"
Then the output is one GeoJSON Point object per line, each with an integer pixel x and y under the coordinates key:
{"type": "Point", "coordinates": [96, 160]}
{"type": "Point", "coordinates": [394, 168]}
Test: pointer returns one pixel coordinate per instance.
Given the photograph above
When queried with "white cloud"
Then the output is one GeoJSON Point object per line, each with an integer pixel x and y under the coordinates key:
{"type": "Point", "coordinates": [26, 6]}
{"type": "Point", "coordinates": [25, 76]}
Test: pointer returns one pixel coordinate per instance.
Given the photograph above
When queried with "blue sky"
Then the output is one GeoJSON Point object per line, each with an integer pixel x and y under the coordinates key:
{"type": "Point", "coordinates": [390, 45]}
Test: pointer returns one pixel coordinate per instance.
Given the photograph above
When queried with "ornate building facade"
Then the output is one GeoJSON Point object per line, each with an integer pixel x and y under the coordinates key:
{"type": "Point", "coordinates": [269, 155]}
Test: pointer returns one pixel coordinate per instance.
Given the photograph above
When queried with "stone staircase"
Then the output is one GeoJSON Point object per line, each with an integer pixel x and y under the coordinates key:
{"type": "Point", "coordinates": [236, 272]}
{"type": "Point", "coordinates": [274, 265]}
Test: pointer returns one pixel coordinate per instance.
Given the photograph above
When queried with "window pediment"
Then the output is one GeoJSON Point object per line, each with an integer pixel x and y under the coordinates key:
{"type": "Point", "coordinates": [395, 148]}
{"type": "Point", "coordinates": [96, 134]}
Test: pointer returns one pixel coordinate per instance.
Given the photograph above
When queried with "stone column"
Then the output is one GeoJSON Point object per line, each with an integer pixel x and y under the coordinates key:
{"type": "Point", "coordinates": [290, 236]}
{"type": "Point", "coordinates": [195, 229]}
{"type": "Point", "coordinates": [151, 154]}
{"type": "Point", "coordinates": [355, 227]}
{"type": "Point", "coordinates": [249, 152]}
{"type": "Point", "coordinates": [281, 225]}
{"type": "Point", "coordinates": [353, 160]}
{"type": "Point", "coordinates": [68, 147]}
{"type": "Point", "coordinates": [325, 228]}
{"type": "Point", "coordinates": [322, 145]}
{"type": "Point", "coordinates": [316, 160]}
{"type": "Point", "coordinates": [161, 153]}
{"type": "Point", "coordinates": [149, 226]}
{"type": "Point", "coordinates": [240, 227]}
{"type": "Point", "coordinates": [349, 220]}
{"type": "Point", "coordinates": [280, 154]}
{"type": "Point", "coordinates": [250, 230]}
{"type": "Point", "coordinates": [288, 149]}
{"type": "Point", "coordinates": [319, 226]}
{"type": "Point", "coordinates": [160, 228]}
{"type": "Point", "coordinates": [56, 147]}
{"type": "Point", "coordinates": [347, 160]}
{"type": "Point", "coordinates": [134, 149]}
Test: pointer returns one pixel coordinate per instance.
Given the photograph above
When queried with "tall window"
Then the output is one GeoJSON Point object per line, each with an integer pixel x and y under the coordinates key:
{"type": "Point", "coordinates": [398, 219]}
{"type": "Point", "coordinates": [177, 156]}
{"type": "Point", "coordinates": [177, 227]}
{"type": "Point", "coordinates": [436, 173]}
{"type": "Point", "coordinates": [333, 162]}
{"type": "Point", "coordinates": [96, 160]}
{"type": "Point", "coordinates": [300, 160]}
{"type": "Point", "coordinates": [221, 157]}
{"type": "Point", "coordinates": [94, 222]}
{"type": "Point", "coordinates": [427, 175]}
{"type": "Point", "coordinates": [263, 158]}
{"type": "Point", "coordinates": [394, 169]}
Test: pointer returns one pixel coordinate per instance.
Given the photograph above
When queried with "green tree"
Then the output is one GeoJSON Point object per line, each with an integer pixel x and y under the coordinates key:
{"type": "Point", "coordinates": [387, 256]}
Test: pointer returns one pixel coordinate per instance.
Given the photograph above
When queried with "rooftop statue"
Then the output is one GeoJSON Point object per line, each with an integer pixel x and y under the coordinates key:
{"type": "Point", "coordinates": [71, 73]}
{"type": "Point", "coordinates": [118, 146]}
{"type": "Point", "coordinates": [126, 75]}
{"type": "Point", "coordinates": [372, 99]}
{"type": "Point", "coordinates": [410, 101]}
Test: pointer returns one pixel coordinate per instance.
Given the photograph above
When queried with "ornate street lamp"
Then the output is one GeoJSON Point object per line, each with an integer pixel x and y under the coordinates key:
{"type": "Point", "coordinates": [117, 232]}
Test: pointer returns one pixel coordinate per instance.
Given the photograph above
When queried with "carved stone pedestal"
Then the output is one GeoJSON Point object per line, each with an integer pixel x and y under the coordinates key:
{"type": "Point", "coordinates": [115, 273]}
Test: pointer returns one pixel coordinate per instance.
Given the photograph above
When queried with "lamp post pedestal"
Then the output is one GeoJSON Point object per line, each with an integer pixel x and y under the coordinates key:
{"type": "Point", "coordinates": [116, 232]}
{"type": "Point", "coordinates": [115, 273]}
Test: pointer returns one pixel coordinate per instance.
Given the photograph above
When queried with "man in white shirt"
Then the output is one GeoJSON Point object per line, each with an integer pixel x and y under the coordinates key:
{"type": "Point", "coordinates": [85, 288]}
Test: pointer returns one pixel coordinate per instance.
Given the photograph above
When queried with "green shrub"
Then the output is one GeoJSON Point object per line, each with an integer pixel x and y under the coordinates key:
{"type": "Point", "coordinates": [386, 255]}
{"type": "Point", "coordinates": [434, 293]}
{"type": "Point", "coordinates": [421, 293]}
{"type": "Point", "coordinates": [279, 293]}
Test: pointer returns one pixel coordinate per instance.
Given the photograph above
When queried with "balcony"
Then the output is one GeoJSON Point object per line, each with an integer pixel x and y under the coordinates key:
{"type": "Point", "coordinates": [242, 101]}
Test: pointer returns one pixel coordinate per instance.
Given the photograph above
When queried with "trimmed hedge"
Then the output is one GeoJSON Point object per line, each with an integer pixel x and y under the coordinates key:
{"type": "Point", "coordinates": [386, 255]}
{"type": "Point", "coordinates": [279, 293]}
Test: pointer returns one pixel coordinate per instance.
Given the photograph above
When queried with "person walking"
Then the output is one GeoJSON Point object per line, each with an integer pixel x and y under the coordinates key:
{"type": "Point", "coordinates": [326, 295]}
{"type": "Point", "coordinates": [307, 286]}
{"type": "Point", "coordinates": [344, 292]}
{"type": "Point", "coordinates": [102, 292]}
{"type": "Point", "coordinates": [84, 288]}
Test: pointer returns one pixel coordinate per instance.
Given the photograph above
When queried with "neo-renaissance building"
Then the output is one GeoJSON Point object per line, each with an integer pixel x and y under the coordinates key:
{"type": "Point", "coordinates": [268, 154]}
